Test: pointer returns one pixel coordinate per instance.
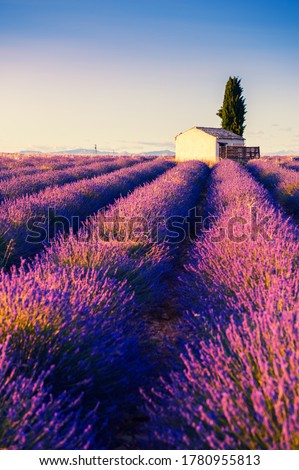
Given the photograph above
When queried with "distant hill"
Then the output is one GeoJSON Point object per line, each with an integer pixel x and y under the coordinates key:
{"type": "Point", "coordinates": [101, 152]}
{"type": "Point", "coordinates": [167, 153]}
{"type": "Point", "coordinates": [283, 153]}
{"type": "Point", "coordinates": [82, 152]}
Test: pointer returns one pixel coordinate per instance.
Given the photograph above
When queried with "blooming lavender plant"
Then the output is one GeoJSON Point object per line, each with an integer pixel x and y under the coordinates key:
{"type": "Point", "coordinates": [291, 165]}
{"type": "Point", "coordinates": [28, 165]}
{"type": "Point", "coordinates": [66, 317]}
{"type": "Point", "coordinates": [74, 200]}
{"type": "Point", "coordinates": [136, 257]}
{"type": "Point", "coordinates": [239, 390]}
{"type": "Point", "coordinates": [28, 184]}
{"type": "Point", "coordinates": [141, 266]}
{"type": "Point", "coordinates": [283, 183]}
{"type": "Point", "coordinates": [82, 322]}
{"type": "Point", "coordinates": [238, 383]}
{"type": "Point", "coordinates": [152, 206]}
{"type": "Point", "coordinates": [250, 254]}
{"type": "Point", "coordinates": [31, 418]}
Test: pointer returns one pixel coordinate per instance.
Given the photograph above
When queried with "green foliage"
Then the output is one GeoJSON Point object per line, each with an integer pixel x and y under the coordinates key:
{"type": "Point", "coordinates": [233, 110]}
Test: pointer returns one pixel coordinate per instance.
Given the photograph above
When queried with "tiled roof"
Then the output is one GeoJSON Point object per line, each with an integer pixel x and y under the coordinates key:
{"type": "Point", "coordinates": [220, 133]}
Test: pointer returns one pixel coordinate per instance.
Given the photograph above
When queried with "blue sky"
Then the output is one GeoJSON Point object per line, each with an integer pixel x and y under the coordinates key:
{"type": "Point", "coordinates": [131, 74]}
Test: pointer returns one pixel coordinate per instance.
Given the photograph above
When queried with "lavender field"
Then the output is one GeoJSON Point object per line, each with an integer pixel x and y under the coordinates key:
{"type": "Point", "coordinates": [148, 305]}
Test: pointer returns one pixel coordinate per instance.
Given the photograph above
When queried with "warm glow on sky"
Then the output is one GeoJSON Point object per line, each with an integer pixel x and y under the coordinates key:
{"type": "Point", "coordinates": [129, 74]}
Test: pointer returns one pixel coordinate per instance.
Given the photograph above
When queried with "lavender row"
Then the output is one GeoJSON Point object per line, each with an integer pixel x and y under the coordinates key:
{"type": "Point", "coordinates": [25, 427]}
{"type": "Point", "coordinates": [135, 259]}
{"type": "Point", "coordinates": [52, 161]}
{"type": "Point", "coordinates": [73, 342]}
{"type": "Point", "coordinates": [135, 234]}
{"type": "Point", "coordinates": [29, 166]}
{"type": "Point", "coordinates": [28, 184]}
{"type": "Point", "coordinates": [148, 213]}
{"type": "Point", "coordinates": [252, 232]}
{"type": "Point", "coordinates": [27, 223]}
{"type": "Point", "coordinates": [292, 165]}
{"type": "Point", "coordinates": [283, 183]}
{"type": "Point", "coordinates": [79, 311]}
{"type": "Point", "coordinates": [238, 386]}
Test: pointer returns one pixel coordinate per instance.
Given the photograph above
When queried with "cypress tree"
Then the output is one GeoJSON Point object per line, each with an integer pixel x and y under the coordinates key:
{"type": "Point", "coordinates": [233, 110]}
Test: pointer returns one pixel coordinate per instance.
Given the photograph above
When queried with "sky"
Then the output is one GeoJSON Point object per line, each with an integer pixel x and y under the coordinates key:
{"type": "Point", "coordinates": [128, 75]}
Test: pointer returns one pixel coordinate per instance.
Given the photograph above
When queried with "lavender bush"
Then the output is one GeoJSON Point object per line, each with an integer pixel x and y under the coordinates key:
{"type": "Point", "coordinates": [27, 184]}
{"type": "Point", "coordinates": [291, 165]}
{"type": "Point", "coordinates": [31, 418]}
{"type": "Point", "coordinates": [27, 165]}
{"type": "Point", "coordinates": [250, 253]}
{"type": "Point", "coordinates": [237, 391]}
{"type": "Point", "coordinates": [78, 312]}
{"type": "Point", "coordinates": [66, 317]}
{"type": "Point", "coordinates": [142, 266]}
{"type": "Point", "coordinates": [74, 311]}
{"type": "Point", "coordinates": [81, 326]}
{"type": "Point", "coordinates": [150, 207]}
{"type": "Point", "coordinates": [238, 386]}
{"type": "Point", "coordinates": [135, 257]}
{"type": "Point", "coordinates": [78, 199]}
{"type": "Point", "coordinates": [283, 183]}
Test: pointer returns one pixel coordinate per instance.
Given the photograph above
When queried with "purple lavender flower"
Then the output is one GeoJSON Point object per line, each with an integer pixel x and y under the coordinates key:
{"type": "Point", "coordinates": [28, 184]}
{"type": "Point", "coordinates": [79, 199]}
{"type": "Point", "coordinates": [282, 182]}
{"type": "Point", "coordinates": [237, 387]}
{"type": "Point", "coordinates": [31, 418]}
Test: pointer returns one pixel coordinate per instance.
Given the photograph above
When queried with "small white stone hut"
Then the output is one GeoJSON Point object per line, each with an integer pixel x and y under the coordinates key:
{"type": "Point", "coordinates": [205, 143]}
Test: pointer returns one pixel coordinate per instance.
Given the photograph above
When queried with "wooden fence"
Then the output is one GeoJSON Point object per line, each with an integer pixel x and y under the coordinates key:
{"type": "Point", "coordinates": [239, 153]}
